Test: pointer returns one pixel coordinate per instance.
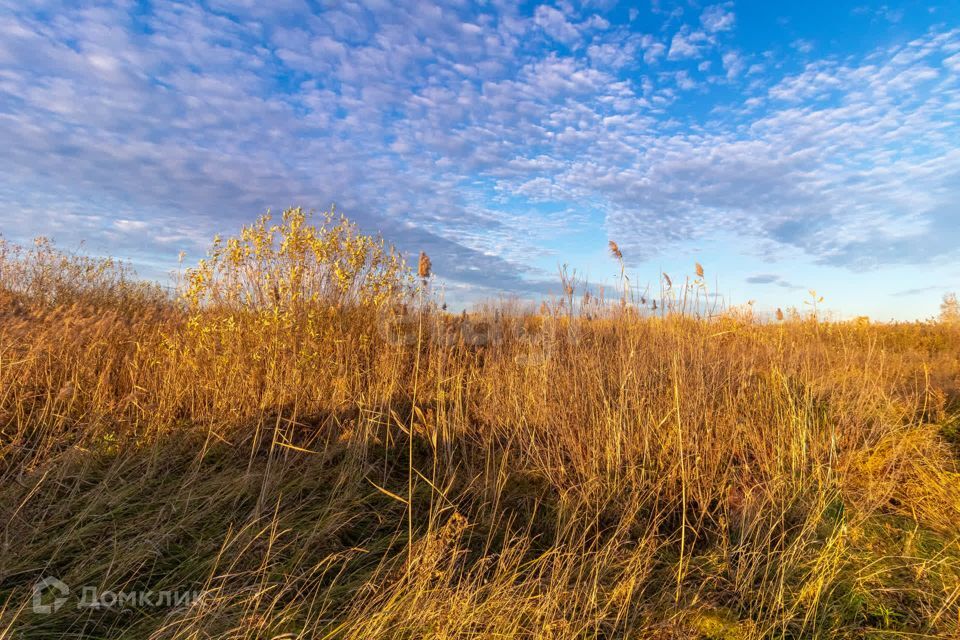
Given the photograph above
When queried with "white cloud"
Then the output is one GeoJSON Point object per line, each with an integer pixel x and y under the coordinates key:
{"type": "Point", "coordinates": [733, 64]}
{"type": "Point", "coordinates": [554, 22]}
{"type": "Point", "coordinates": [686, 45]}
{"type": "Point", "coordinates": [653, 49]}
{"type": "Point", "coordinates": [717, 18]}
{"type": "Point", "coordinates": [446, 130]}
{"type": "Point", "coordinates": [684, 81]}
{"type": "Point", "coordinates": [953, 63]}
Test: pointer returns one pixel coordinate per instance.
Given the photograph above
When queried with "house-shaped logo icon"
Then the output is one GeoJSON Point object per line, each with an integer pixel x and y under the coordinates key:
{"type": "Point", "coordinates": [42, 603]}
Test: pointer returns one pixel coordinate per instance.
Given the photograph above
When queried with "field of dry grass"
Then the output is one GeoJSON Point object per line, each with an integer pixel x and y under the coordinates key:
{"type": "Point", "coordinates": [304, 439]}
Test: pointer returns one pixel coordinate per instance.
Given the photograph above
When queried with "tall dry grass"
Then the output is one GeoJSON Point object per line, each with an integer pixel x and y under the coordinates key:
{"type": "Point", "coordinates": [307, 440]}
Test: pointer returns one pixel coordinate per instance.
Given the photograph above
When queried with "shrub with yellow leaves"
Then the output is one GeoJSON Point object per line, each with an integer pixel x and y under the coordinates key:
{"type": "Point", "coordinates": [294, 264]}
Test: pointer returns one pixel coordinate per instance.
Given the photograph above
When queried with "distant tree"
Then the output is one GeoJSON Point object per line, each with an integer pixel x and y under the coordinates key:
{"type": "Point", "coordinates": [950, 308]}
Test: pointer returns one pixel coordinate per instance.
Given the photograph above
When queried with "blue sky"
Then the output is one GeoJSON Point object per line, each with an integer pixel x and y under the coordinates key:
{"type": "Point", "coordinates": [786, 146]}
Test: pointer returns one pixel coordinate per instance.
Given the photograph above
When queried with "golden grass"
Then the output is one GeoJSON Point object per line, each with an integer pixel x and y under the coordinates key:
{"type": "Point", "coordinates": [307, 440]}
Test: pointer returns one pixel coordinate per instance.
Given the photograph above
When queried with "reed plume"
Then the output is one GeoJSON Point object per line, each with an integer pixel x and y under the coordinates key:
{"type": "Point", "coordinates": [424, 266]}
{"type": "Point", "coordinates": [615, 250]}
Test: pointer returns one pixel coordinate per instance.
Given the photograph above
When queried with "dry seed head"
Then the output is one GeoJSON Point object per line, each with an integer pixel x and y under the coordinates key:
{"type": "Point", "coordinates": [699, 268]}
{"type": "Point", "coordinates": [667, 279]}
{"type": "Point", "coordinates": [66, 393]}
{"type": "Point", "coordinates": [424, 265]}
{"type": "Point", "coordinates": [615, 250]}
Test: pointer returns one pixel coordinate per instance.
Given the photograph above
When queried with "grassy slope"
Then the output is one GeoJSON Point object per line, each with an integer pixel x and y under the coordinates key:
{"type": "Point", "coordinates": [610, 477]}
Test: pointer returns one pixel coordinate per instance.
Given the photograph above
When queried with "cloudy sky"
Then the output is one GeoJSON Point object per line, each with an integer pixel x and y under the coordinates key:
{"type": "Point", "coordinates": [786, 146]}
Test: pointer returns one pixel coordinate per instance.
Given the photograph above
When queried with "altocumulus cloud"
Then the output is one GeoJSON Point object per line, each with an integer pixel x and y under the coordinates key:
{"type": "Point", "coordinates": [478, 135]}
